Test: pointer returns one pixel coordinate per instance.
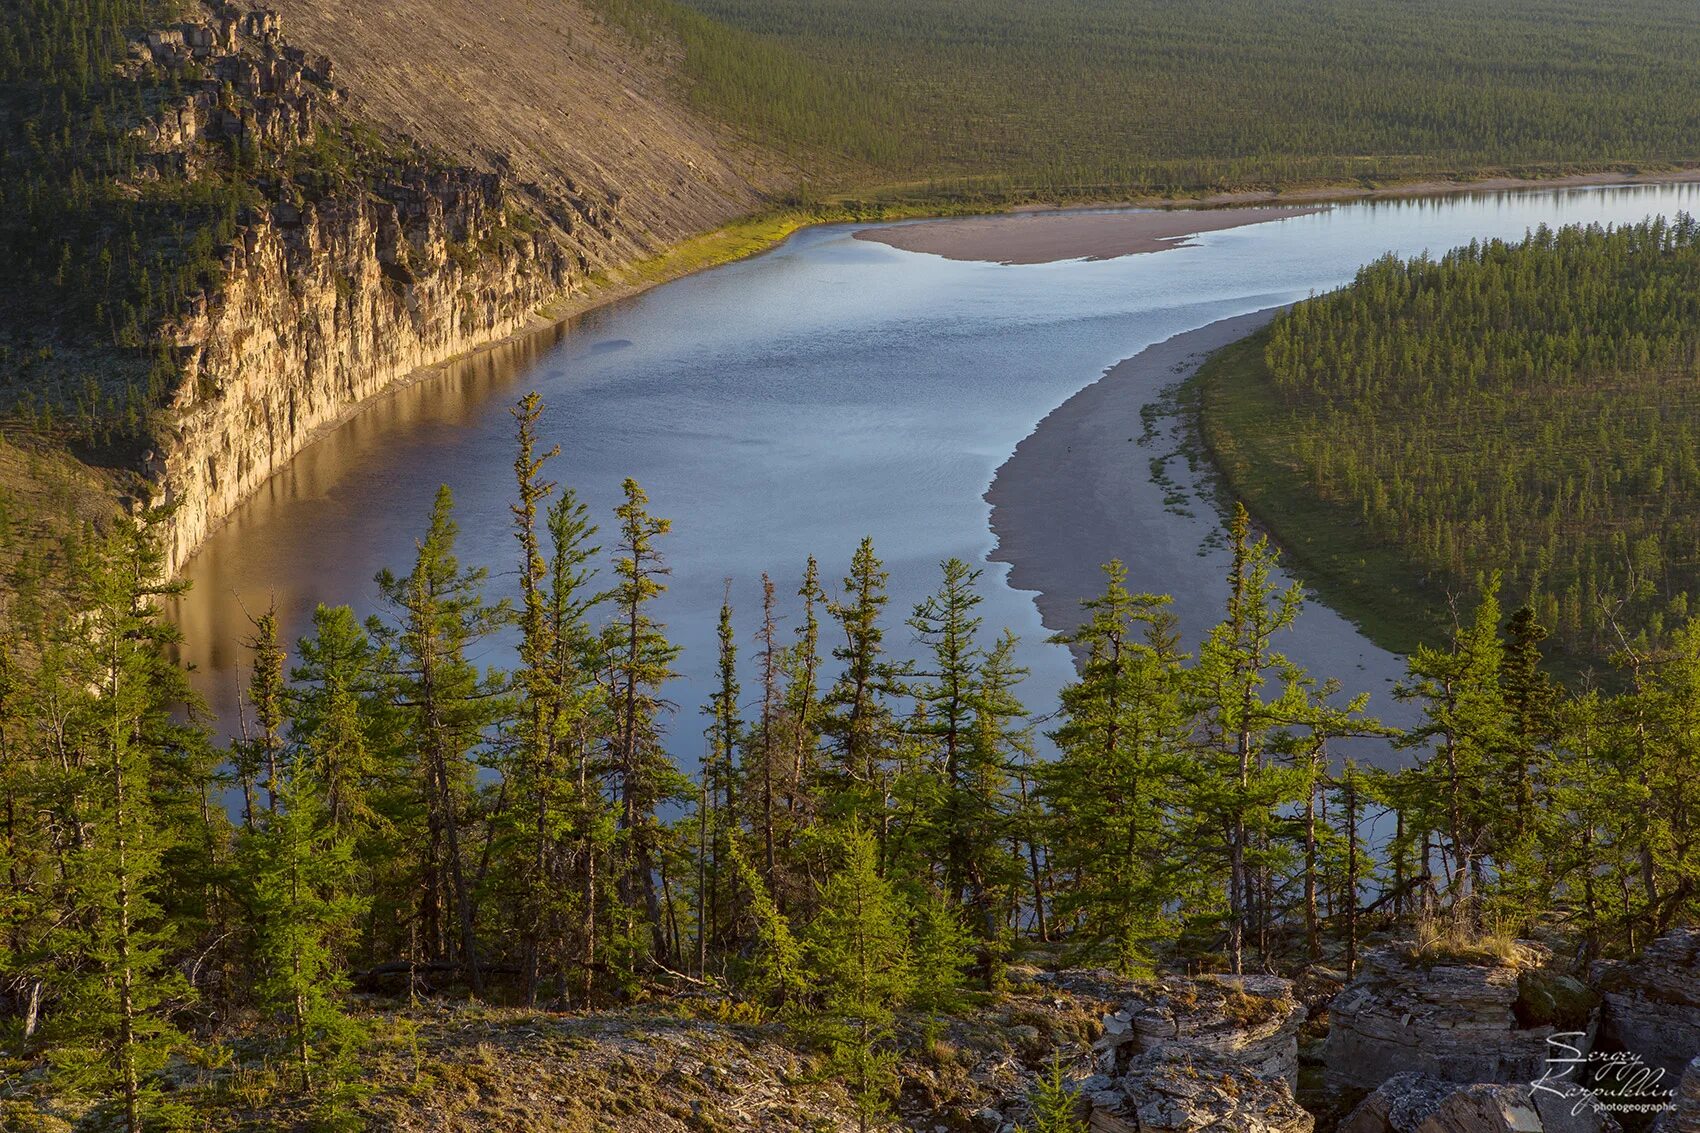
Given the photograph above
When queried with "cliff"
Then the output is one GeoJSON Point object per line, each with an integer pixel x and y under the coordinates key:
{"type": "Point", "coordinates": [325, 306]}
{"type": "Point", "coordinates": [482, 162]}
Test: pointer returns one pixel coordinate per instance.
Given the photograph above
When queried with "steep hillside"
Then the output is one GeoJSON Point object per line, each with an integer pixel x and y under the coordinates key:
{"type": "Point", "coordinates": [240, 249]}
{"type": "Point", "coordinates": [589, 127]}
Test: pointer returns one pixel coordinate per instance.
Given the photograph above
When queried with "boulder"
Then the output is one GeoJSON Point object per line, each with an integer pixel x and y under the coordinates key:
{"type": "Point", "coordinates": [1462, 1022]}
{"type": "Point", "coordinates": [1174, 1089]}
{"type": "Point", "coordinates": [1652, 1003]}
{"type": "Point", "coordinates": [1250, 1020]}
{"type": "Point", "coordinates": [1417, 1103]}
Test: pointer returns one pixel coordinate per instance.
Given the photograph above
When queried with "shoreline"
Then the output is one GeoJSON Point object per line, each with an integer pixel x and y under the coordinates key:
{"type": "Point", "coordinates": [633, 280]}
{"type": "Point", "coordinates": [1102, 477]}
{"type": "Point", "coordinates": [1067, 500]}
{"type": "Point", "coordinates": [752, 236]}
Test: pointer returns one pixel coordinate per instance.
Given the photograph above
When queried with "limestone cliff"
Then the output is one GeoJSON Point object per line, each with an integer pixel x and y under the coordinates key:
{"type": "Point", "coordinates": [339, 284]}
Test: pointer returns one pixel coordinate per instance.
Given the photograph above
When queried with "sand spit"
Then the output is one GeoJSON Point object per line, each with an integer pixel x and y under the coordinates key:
{"type": "Point", "coordinates": [1078, 490]}
{"type": "Point", "coordinates": [1046, 237]}
{"type": "Point", "coordinates": [1082, 489]}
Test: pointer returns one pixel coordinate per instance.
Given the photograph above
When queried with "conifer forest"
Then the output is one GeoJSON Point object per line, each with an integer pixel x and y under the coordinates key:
{"type": "Point", "coordinates": [864, 836]}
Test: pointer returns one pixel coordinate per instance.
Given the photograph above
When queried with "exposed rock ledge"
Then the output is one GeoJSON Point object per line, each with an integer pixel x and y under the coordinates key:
{"type": "Point", "coordinates": [1177, 1089]}
{"type": "Point", "coordinates": [1251, 1020]}
{"type": "Point", "coordinates": [1416, 1103]}
{"type": "Point", "coordinates": [1459, 1022]}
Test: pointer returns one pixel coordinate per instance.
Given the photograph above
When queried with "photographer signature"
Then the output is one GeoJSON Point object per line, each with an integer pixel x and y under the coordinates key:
{"type": "Point", "coordinates": [1628, 1084]}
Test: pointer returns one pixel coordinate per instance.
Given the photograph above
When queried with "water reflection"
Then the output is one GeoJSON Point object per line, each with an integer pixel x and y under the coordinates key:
{"type": "Point", "coordinates": [790, 404]}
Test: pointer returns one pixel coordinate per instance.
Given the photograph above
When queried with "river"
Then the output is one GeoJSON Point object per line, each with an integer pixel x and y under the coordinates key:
{"type": "Point", "coordinates": [791, 403]}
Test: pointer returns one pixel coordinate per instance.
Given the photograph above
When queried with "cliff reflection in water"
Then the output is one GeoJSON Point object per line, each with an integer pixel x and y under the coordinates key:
{"type": "Point", "coordinates": [307, 532]}
{"type": "Point", "coordinates": [788, 405]}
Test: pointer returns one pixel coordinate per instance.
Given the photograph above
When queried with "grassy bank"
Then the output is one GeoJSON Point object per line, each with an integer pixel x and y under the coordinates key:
{"type": "Point", "coordinates": [1393, 601]}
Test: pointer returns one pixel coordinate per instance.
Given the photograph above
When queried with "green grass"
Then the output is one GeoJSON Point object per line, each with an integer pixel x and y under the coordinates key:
{"type": "Point", "coordinates": [753, 235]}
{"type": "Point", "coordinates": [1369, 581]}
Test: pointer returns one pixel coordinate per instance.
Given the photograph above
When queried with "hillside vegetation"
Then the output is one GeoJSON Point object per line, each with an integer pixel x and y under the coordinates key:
{"type": "Point", "coordinates": [1524, 408]}
{"type": "Point", "coordinates": [1081, 97]}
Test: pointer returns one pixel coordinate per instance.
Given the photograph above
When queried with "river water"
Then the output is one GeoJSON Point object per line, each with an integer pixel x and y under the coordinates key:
{"type": "Point", "coordinates": [789, 404]}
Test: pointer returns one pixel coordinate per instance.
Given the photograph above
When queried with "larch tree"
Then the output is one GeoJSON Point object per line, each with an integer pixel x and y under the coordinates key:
{"type": "Point", "coordinates": [116, 992]}
{"type": "Point", "coordinates": [640, 660]}
{"type": "Point", "coordinates": [1114, 787]}
{"type": "Point", "coordinates": [858, 717]}
{"type": "Point", "coordinates": [858, 955]}
{"type": "Point", "coordinates": [438, 614]}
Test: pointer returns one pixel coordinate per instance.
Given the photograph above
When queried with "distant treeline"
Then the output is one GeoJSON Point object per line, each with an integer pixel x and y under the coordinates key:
{"type": "Point", "coordinates": [865, 833]}
{"type": "Point", "coordinates": [1073, 96]}
{"type": "Point", "coordinates": [1531, 408]}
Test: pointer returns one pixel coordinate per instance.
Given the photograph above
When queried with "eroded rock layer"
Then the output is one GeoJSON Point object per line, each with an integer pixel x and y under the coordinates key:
{"type": "Point", "coordinates": [339, 285]}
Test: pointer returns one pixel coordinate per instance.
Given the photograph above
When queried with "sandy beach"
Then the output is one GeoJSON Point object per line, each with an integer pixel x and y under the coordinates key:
{"type": "Point", "coordinates": [1080, 490]}
{"type": "Point", "coordinates": [1046, 237]}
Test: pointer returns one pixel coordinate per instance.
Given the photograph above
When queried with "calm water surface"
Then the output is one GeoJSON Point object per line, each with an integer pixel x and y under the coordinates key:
{"type": "Point", "coordinates": [788, 405]}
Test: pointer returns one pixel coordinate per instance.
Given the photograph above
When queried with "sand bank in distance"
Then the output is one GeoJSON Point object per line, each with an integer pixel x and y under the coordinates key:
{"type": "Point", "coordinates": [1046, 237]}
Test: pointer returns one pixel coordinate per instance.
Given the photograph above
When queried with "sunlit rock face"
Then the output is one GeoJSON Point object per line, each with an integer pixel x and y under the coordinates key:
{"type": "Point", "coordinates": [324, 298]}
{"type": "Point", "coordinates": [324, 306]}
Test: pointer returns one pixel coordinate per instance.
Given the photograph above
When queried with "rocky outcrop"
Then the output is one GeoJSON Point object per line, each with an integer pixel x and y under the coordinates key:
{"type": "Point", "coordinates": [1460, 1022]}
{"type": "Point", "coordinates": [1684, 1113]}
{"type": "Point", "coordinates": [1175, 1089]}
{"type": "Point", "coordinates": [1416, 1103]}
{"type": "Point", "coordinates": [1251, 1020]}
{"type": "Point", "coordinates": [324, 306]}
{"type": "Point", "coordinates": [359, 256]}
{"type": "Point", "coordinates": [241, 84]}
{"type": "Point", "coordinates": [1652, 1003]}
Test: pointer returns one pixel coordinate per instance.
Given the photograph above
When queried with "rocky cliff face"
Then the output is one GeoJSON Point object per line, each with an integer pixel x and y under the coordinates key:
{"type": "Point", "coordinates": [337, 284]}
{"type": "Point", "coordinates": [1652, 1002]}
{"type": "Point", "coordinates": [1458, 1022]}
{"type": "Point", "coordinates": [363, 258]}
{"type": "Point", "coordinates": [326, 305]}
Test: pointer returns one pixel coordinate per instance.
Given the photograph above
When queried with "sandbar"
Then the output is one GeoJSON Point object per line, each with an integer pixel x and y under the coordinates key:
{"type": "Point", "coordinates": [1048, 237]}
